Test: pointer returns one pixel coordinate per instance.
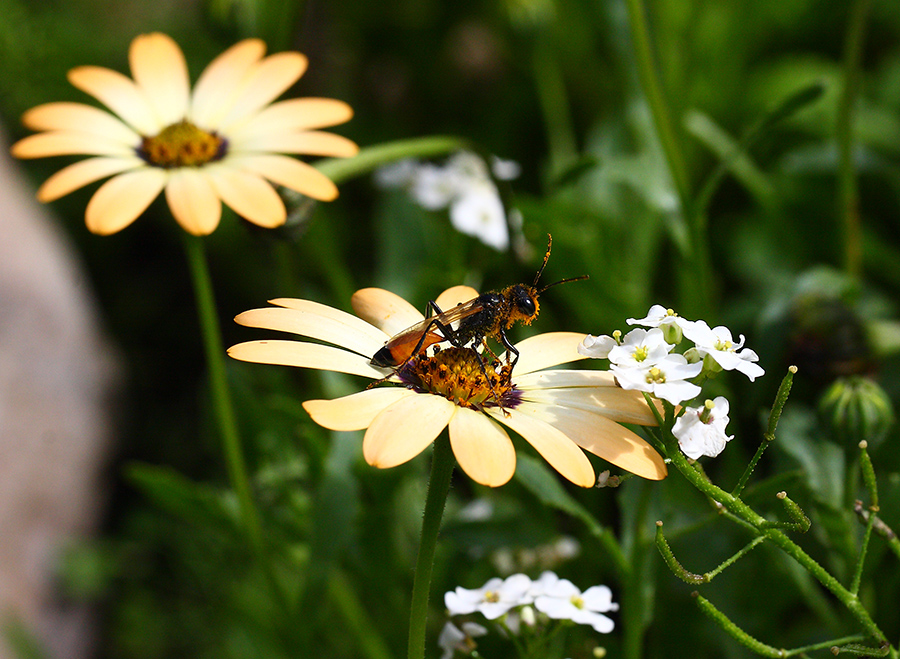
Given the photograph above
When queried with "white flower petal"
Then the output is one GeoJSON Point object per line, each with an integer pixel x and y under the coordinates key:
{"type": "Point", "coordinates": [553, 445]}
{"type": "Point", "coordinates": [82, 173]}
{"type": "Point", "coordinates": [403, 430]}
{"type": "Point", "coordinates": [220, 82]}
{"type": "Point", "coordinates": [315, 323]}
{"type": "Point", "coordinates": [356, 411]}
{"type": "Point", "coordinates": [545, 350]}
{"type": "Point", "coordinates": [305, 355]}
{"type": "Point", "coordinates": [193, 201]}
{"type": "Point", "coordinates": [483, 450]}
{"type": "Point", "coordinates": [80, 118]}
{"type": "Point", "coordinates": [385, 310]}
{"type": "Point", "coordinates": [120, 94]}
{"type": "Point", "coordinates": [160, 70]}
{"type": "Point", "coordinates": [601, 436]}
{"type": "Point", "coordinates": [119, 201]}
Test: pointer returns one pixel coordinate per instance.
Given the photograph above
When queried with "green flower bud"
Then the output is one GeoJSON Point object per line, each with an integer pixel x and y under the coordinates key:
{"type": "Point", "coordinates": [856, 408]}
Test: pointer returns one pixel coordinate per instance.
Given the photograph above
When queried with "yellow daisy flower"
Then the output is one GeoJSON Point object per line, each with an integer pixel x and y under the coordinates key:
{"type": "Point", "coordinates": [221, 142]}
{"type": "Point", "coordinates": [558, 412]}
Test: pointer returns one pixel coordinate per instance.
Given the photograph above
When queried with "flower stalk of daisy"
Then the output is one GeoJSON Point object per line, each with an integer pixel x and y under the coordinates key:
{"type": "Point", "coordinates": [561, 413]}
{"type": "Point", "coordinates": [223, 141]}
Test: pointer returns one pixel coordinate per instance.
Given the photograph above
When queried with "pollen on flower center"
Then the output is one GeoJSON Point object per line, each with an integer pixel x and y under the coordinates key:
{"type": "Point", "coordinates": [724, 345]}
{"type": "Point", "coordinates": [577, 601]}
{"type": "Point", "coordinates": [640, 353]}
{"type": "Point", "coordinates": [656, 376]}
{"type": "Point", "coordinates": [462, 376]}
{"type": "Point", "coordinates": [182, 145]}
{"type": "Point", "coordinates": [492, 596]}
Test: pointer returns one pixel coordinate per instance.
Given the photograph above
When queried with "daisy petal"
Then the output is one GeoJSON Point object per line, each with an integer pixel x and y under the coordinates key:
{"type": "Point", "coordinates": [323, 310]}
{"type": "Point", "coordinates": [305, 355]}
{"type": "Point", "coordinates": [403, 430]}
{"type": "Point", "coordinates": [545, 350]}
{"type": "Point", "coordinates": [293, 115]}
{"type": "Point", "coordinates": [553, 445]}
{"type": "Point", "coordinates": [289, 172]}
{"type": "Point", "coordinates": [249, 195]}
{"type": "Point", "coordinates": [592, 391]}
{"type": "Point", "coordinates": [385, 310]}
{"type": "Point", "coordinates": [602, 437]}
{"type": "Point", "coordinates": [193, 201]}
{"type": "Point", "coordinates": [217, 85]}
{"type": "Point", "coordinates": [160, 70]}
{"type": "Point", "coordinates": [356, 411]}
{"type": "Point", "coordinates": [311, 143]}
{"type": "Point", "coordinates": [455, 295]}
{"type": "Point", "coordinates": [265, 82]}
{"type": "Point", "coordinates": [119, 93]}
{"type": "Point", "coordinates": [81, 118]}
{"type": "Point", "coordinates": [315, 325]}
{"type": "Point", "coordinates": [119, 201]}
{"type": "Point", "coordinates": [482, 448]}
{"type": "Point", "coordinates": [83, 172]}
{"type": "Point", "coordinates": [68, 143]}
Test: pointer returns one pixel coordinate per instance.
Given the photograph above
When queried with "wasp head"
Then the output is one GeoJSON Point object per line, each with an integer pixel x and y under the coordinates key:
{"type": "Point", "coordinates": [523, 304]}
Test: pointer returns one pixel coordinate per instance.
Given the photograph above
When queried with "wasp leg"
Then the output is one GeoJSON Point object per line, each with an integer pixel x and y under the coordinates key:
{"type": "Point", "coordinates": [510, 349]}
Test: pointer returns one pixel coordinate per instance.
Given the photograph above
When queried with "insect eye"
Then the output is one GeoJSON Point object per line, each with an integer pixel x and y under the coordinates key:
{"type": "Point", "coordinates": [525, 305]}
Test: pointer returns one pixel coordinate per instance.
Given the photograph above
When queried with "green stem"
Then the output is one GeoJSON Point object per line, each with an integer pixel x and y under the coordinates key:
{"type": "Point", "coordinates": [224, 409]}
{"type": "Point", "coordinates": [853, 44]}
{"type": "Point", "coordinates": [438, 487]}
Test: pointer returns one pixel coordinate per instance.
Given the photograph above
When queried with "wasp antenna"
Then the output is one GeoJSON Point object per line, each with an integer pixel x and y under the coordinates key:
{"type": "Point", "coordinates": [563, 281]}
{"type": "Point", "coordinates": [544, 264]}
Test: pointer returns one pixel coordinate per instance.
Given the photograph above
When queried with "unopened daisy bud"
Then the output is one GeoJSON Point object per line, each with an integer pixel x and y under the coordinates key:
{"type": "Point", "coordinates": [857, 408]}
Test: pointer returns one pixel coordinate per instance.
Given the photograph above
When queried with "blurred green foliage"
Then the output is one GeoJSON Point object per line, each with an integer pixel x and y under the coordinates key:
{"type": "Point", "coordinates": [554, 86]}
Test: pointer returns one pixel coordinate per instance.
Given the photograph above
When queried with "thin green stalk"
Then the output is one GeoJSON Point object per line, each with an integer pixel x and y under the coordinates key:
{"type": "Point", "coordinates": [438, 487]}
{"type": "Point", "coordinates": [221, 395]}
{"type": "Point", "coordinates": [853, 45]}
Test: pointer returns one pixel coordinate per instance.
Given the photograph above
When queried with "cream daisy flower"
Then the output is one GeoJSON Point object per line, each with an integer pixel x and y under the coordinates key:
{"type": "Point", "coordinates": [558, 412]}
{"type": "Point", "coordinates": [221, 142]}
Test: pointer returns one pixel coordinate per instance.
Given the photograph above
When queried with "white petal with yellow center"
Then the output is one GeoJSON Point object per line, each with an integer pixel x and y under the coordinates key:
{"type": "Point", "coordinates": [482, 448]}
{"type": "Point", "coordinates": [248, 195]}
{"type": "Point", "coordinates": [219, 83]}
{"type": "Point", "coordinates": [193, 201]}
{"type": "Point", "coordinates": [455, 295]}
{"type": "Point", "coordinates": [553, 445]}
{"type": "Point", "coordinates": [160, 70]}
{"type": "Point", "coordinates": [312, 143]}
{"type": "Point", "coordinates": [356, 411]}
{"type": "Point", "coordinates": [77, 117]}
{"type": "Point", "coordinates": [119, 201]}
{"type": "Point", "coordinates": [305, 355]}
{"type": "Point", "coordinates": [310, 322]}
{"type": "Point", "coordinates": [545, 350]}
{"type": "Point", "coordinates": [83, 172]}
{"type": "Point", "coordinates": [602, 437]}
{"type": "Point", "coordinates": [120, 94]}
{"type": "Point", "coordinates": [403, 430]}
{"type": "Point", "coordinates": [385, 310]}
{"type": "Point", "coordinates": [69, 143]}
{"type": "Point", "coordinates": [263, 83]}
{"type": "Point", "coordinates": [294, 115]}
{"type": "Point", "coordinates": [289, 172]}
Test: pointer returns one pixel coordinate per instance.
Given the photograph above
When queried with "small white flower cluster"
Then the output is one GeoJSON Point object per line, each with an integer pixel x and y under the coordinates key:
{"type": "Point", "coordinates": [515, 600]}
{"type": "Point", "coordinates": [643, 360]}
{"type": "Point", "coordinates": [464, 185]}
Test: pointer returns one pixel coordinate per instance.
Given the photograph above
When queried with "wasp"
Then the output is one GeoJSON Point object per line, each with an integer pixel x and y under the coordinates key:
{"type": "Point", "coordinates": [470, 323]}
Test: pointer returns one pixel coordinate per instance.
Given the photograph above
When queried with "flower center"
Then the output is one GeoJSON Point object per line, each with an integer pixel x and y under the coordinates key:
{"type": "Point", "coordinates": [492, 596]}
{"type": "Point", "coordinates": [640, 353]}
{"type": "Point", "coordinates": [182, 145]}
{"type": "Point", "coordinates": [577, 601]}
{"type": "Point", "coordinates": [462, 376]}
{"type": "Point", "coordinates": [725, 346]}
{"type": "Point", "coordinates": [656, 376]}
